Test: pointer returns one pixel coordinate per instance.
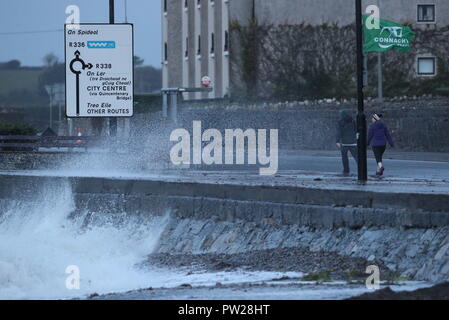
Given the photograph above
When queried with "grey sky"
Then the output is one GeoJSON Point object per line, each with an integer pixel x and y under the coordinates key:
{"type": "Point", "coordinates": [18, 16]}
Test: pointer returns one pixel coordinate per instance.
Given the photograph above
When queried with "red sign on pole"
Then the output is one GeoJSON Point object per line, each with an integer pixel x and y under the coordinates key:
{"type": "Point", "coordinates": [206, 81]}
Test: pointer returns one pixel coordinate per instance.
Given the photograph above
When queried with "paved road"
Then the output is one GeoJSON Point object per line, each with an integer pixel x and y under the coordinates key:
{"type": "Point", "coordinates": [397, 164]}
{"type": "Point", "coordinates": [394, 168]}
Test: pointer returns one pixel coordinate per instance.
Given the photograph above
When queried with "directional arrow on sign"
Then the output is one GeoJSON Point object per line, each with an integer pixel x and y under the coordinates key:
{"type": "Point", "coordinates": [77, 75]}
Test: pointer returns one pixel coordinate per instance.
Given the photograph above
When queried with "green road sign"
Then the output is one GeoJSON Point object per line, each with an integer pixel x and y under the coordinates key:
{"type": "Point", "coordinates": [389, 35]}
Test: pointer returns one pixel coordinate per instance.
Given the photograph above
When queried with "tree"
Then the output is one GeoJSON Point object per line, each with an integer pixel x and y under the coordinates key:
{"type": "Point", "coordinates": [10, 65]}
{"type": "Point", "coordinates": [147, 79]}
{"type": "Point", "coordinates": [52, 73]}
{"type": "Point", "coordinates": [295, 61]}
{"type": "Point", "coordinates": [50, 60]}
{"type": "Point", "coordinates": [138, 61]}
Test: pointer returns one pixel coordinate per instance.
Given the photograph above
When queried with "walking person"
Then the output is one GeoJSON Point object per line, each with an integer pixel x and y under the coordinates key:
{"type": "Point", "coordinates": [347, 139]}
{"type": "Point", "coordinates": [378, 136]}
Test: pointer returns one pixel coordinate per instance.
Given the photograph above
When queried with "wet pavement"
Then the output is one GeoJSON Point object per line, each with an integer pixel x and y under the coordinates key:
{"type": "Point", "coordinates": [286, 178]}
{"type": "Point", "coordinates": [271, 290]}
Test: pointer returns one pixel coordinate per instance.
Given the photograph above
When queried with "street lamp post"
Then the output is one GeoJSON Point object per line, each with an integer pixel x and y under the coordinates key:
{"type": "Point", "coordinates": [380, 89]}
{"type": "Point", "coordinates": [361, 118]}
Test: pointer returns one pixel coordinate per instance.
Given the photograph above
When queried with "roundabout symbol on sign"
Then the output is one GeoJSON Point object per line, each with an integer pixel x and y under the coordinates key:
{"type": "Point", "coordinates": [77, 74]}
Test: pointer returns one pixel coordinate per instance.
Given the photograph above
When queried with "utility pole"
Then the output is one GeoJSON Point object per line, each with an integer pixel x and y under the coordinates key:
{"type": "Point", "coordinates": [361, 118]}
{"type": "Point", "coordinates": [126, 11]}
{"type": "Point", "coordinates": [111, 12]}
{"type": "Point", "coordinates": [112, 121]}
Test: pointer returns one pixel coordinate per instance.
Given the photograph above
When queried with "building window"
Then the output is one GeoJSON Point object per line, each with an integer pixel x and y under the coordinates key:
{"type": "Point", "coordinates": [165, 6]}
{"type": "Point", "coordinates": [426, 13]}
{"type": "Point", "coordinates": [186, 54]}
{"type": "Point", "coordinates": [186, 4]}
{"type": "Point", "coordinates": [212, 43]}
{"type": "Point", "coordinates": [426, 66]}
{"type": "Point", "coordinates": [165, 52]}
{"type": "Point", "coordinates": [199, 45]}
{"type": "Point", "coordinates": [226, 41]}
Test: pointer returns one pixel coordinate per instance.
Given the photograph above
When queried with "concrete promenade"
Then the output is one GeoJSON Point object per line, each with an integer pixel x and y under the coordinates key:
{"type": "Point", "coordinates": [401, 222]}
{"type": "Point", "coordinates": [424, 202]}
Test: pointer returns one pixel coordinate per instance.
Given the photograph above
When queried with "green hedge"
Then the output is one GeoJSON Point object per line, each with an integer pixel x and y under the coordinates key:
{"type": "Point", "coordinates": [16, 129]}
{"type": "Point", "coordinates": [146, 103]}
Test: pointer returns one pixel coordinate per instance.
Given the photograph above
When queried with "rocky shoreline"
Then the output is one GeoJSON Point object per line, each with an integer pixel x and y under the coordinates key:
{"type": "Point", "coordinates": [280, 259]}
{"type": "Point", "coordinates": [437, 292]}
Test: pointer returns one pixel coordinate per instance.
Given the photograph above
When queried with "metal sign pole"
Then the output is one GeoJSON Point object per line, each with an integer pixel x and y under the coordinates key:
{"type": "Point", "coordinates": [112, 121]}
{"type": "Point", "coordinates": [174, 107]}
{"type": "Point", "coordinates": [51, 103]}
{"type": "Point", "coordinates": [361, 118]}
{"type": "Point", "coordinates": [51, 114]}
{"type": "Point", "coordinates": [164, 104]}
{"type": "Point", "coordinates": [380, 77]}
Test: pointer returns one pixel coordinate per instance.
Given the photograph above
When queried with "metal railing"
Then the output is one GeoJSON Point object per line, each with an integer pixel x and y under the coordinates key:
{"type": "Point", "coordinates": [34, 143]}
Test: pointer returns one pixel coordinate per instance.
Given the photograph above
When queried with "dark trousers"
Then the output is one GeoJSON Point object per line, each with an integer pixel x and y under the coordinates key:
{"type": "Point", "coordinates": [379, 153]}
{"type": "Point", "coordinates": [345, 159]}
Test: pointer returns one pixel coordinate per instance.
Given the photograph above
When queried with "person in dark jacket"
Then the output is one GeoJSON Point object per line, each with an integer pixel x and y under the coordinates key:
{"type": "Point", "coordinates": [347, 139]}
{"type": "Point", "coordinates": [378, 136]}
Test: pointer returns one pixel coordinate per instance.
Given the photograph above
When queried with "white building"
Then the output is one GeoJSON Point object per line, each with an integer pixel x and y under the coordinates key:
{"type": "Point", "coordinates": [196, 33]}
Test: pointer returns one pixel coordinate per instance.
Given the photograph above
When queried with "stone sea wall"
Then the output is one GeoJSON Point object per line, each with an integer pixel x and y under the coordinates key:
{"type": "Point", "coordinates": [416, 124]}
{"type": "Point", "coordinates": [412, 240]}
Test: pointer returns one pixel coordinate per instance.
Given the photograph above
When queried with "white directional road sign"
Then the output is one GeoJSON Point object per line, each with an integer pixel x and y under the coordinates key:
{"type": "Point", "coordinates": [99, 70]}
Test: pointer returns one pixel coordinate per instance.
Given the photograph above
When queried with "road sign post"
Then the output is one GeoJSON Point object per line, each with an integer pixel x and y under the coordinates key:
{"type": "Point", "coordinates": [170, 99]}
{"type": "Point", "coordinates": [112, 121]}
{"type": "Point", "coordinates": [99, 71]}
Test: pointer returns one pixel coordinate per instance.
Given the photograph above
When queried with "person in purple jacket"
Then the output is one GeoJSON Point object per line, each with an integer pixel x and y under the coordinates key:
{"type": "Point", "coordinates": [378, 136]}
